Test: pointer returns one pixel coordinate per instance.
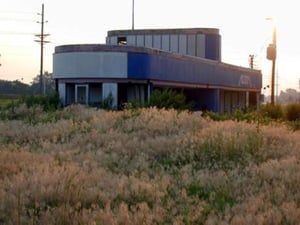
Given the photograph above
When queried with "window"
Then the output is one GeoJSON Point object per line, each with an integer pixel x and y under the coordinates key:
{"type": "Point", "coordinates": [122, 41]}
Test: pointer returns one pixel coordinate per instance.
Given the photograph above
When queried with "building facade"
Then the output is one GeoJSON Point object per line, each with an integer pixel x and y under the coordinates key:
{"type": "Point", "coordinates": [133, 63]}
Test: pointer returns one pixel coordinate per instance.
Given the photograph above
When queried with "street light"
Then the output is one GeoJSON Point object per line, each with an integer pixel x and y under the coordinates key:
{"type": "Point", "coordinates": [132, 14]}
{"type": "Point", "coordinates": [271, 55]}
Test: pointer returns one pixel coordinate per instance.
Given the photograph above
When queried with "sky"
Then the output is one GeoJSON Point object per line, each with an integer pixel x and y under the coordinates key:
{"type": "Point", "coordinates": [242, 24]}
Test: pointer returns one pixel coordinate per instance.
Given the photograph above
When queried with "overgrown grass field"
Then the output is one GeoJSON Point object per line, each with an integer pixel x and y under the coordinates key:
{"type": "Point", "coordinates": [6, 100]}
{"type": "Point", "coordinates": [146, 166]}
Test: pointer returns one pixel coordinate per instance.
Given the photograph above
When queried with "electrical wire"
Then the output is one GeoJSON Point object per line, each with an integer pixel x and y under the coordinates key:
{"type": "Point", "coordinates": [16, 19]}
{"type": "Point", "coordinates": [15, 33]}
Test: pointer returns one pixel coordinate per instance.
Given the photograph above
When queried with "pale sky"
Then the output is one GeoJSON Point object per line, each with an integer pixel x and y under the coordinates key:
{"type": "Point", "coordinates": [242, 24]}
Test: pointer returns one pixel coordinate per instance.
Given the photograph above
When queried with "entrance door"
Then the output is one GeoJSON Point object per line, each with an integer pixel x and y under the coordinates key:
{"type": "Point", "coordinates": [81, 94]}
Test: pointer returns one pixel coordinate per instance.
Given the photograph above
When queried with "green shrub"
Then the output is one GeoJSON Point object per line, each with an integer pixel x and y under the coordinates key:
{"type": "Point", "coordinates": [217, 199]}
{"type": "Point", "coordinates": [169, 99]}
{"type": "Point", "coordinates": [238, 115]}
{"type": "Point", "coordinates": [294, 125]}
{"type": "Point", "coordinates": [47, 102]}
{"type": "Point", "coordinates": [217, 116]}
{"type": "Point", "coordinates": [107, 103]}
{"type": "Point", "coordinates": [292, 112]}
{"type": "Point", "coordinates": [133, 105]}
{"type": "Point", "coordinates": [272, 111]}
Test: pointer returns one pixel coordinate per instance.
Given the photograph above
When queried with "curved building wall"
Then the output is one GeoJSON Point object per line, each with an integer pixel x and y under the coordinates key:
{"type": "Point", "coordinates": [205, 43]}
{"type": "Point", "coordinates": [138, 63]}
{"type": "Point", "coordinates": [90, 65]}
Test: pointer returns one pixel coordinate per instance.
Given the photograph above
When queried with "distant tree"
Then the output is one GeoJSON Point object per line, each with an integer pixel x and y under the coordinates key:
{"type": "Point", "coordinates": [48, 84]}
{"type": "Point", "coordinates": [14, 88]}
{"type": "Point", "coordinates": [19, 88]}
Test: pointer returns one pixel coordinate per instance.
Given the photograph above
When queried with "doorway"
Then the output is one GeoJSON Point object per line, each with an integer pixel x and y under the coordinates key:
{"type": "Point", "coordinates": [81, 94]}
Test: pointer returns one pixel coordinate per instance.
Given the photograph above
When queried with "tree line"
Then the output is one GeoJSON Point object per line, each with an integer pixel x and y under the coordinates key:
{"type": "Point", "coordinates": [17, 87]}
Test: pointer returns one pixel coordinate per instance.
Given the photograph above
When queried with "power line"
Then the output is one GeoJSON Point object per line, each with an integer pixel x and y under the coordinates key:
{"type": "Point", "coordinates": [15, 33]}
{"type": "Point", "coordinates": [16, 12]}
{"type": "Point", "coordinates": [15, 19]}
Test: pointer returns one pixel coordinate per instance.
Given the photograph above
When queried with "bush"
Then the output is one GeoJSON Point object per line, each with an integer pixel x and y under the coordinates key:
{"type": "Point", "coordinates": [217, 116]}
{"type": "Point", "coordinates": [47, 102]}
{"type": "Point", "coordinates": [238, 115]}
{"type": "Point", "coordinates": [272, 111]}
{"type": "Point", "coordinates": [169, 99]}
{"type": "Point", "coordinates": [107, 103]}
{"type": "Point", "coordinates": [292, 112]}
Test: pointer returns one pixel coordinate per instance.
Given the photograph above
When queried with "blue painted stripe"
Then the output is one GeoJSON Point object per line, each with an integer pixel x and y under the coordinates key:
{"type": "Point", "coordinates": [167, 68]}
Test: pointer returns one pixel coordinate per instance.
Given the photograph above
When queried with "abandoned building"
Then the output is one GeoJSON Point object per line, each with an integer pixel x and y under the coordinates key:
{"type": "Point", "coordinates": [133, 63]}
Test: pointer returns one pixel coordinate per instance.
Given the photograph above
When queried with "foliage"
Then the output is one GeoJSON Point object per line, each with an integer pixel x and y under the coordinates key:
{"type": "Point", "coordinates": [272, 111]}
{"type": "Point", "coordinates": [238, 115]}
{"type": "Point", "coordinates": [292, 115]}
{"type": "Point", "coordinates": [292, 111]}
{"type": "Point", "coordinates": [169, 99]}
{"type": "Point", "coordinates": [14, 88]}
{"type": "Point", "coordinates": [108, 102]}
{"type": "Point", "coordinates": [217, 116]}
{"type": "Point", "coordinates": [146, 166]}
{"type": "Point", "coordinates": [294, 125]}
{"type": "Point", "coordinates": [32, 109]}
{"type": "Point", "coordinates": [48, 84]}
{"type": "Point", "coordinates": [47, 102]}
{"type": "Point", "coordinates": [21, 89]}
{"type": "Point", "coordinates": [133, 105]}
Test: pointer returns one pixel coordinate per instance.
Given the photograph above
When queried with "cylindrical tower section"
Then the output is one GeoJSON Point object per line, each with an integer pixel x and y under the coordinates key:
{"type": "Point", "coordinates": [200, 42]}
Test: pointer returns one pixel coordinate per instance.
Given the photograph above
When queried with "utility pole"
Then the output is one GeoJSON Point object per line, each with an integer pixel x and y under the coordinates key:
{"type": "Point", "coordinates": [42, 41]}
{"type": "Point", "coordinates": [277, 85]}
{"type": "Point", "coordinates": [271, 55]}
{"type": "Point", "coordinates": [251, 61]}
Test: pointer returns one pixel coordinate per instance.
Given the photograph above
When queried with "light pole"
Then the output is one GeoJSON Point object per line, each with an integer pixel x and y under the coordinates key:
{"type": "Point", "coordinates": [271, 55]}
{"type": "Point", "coordinates": [132, 14]}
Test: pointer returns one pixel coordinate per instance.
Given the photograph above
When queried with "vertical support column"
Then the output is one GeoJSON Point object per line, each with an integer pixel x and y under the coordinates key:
{"type": "Point", "coordinates": [149, 90]}
{"type": "Point", "coordinates": [247, 99]}
{"type": "Point", "coordinates": [221, 101]}
{"type": "Point", "coordinates": [257, 100]}
{"type": "Point", "coordinates": [111, 89]}
{"type": "Point", "coordinates": [62, 93]}
{"type": "Point", "coordinates": [217, 100]}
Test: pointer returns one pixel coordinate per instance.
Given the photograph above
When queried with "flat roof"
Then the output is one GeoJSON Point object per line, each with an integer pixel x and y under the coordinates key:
{"type": "Point", "coordinates": [214, 31]}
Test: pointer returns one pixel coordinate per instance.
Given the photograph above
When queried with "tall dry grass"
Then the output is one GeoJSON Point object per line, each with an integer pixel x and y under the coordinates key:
{"type": "Point", "coordinates": [147, 166]}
